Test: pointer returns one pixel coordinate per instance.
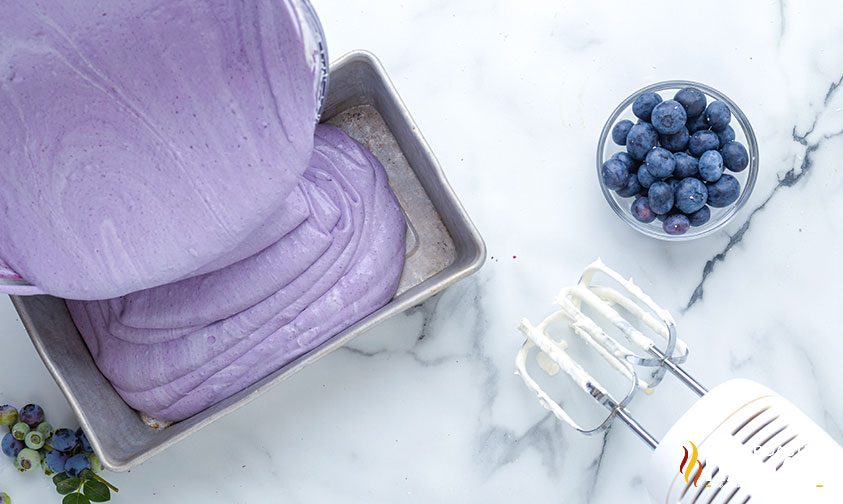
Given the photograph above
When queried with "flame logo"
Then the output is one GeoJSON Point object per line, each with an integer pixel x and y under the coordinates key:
{"type": "Point", "coordinates": [686, 467]}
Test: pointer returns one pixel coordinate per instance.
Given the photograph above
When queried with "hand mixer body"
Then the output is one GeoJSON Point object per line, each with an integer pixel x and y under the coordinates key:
{"type": "Point", "coordinates": [752, 445]}
{"type": "Point", "coordinates": [739, 443]}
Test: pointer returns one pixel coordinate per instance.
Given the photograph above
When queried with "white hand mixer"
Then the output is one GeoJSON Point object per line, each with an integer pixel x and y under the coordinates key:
{"type": "Point", "coordinates": [739, 443]}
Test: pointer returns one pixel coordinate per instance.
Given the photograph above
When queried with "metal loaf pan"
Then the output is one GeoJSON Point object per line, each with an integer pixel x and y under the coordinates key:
{"type": "Point", "coordinates": [443, 247]}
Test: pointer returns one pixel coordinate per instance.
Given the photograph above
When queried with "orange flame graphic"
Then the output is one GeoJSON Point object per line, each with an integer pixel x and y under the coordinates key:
{"type": "Point", "coordinates": [686, 467]}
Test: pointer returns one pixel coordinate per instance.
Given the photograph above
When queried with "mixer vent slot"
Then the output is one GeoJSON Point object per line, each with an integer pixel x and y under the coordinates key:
{"type": "Point", "coordinates": [779, 448]}
{"type": "Point", "coordinates": [790, 457]}
{"type": "Point", "coordinates": [749, 420]}
{"type": "Point", "coordinates": [759, 429]}
{"type": "Point", "coordinates": [732, 495]}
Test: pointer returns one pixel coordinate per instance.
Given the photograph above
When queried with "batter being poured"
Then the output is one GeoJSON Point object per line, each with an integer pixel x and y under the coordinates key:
{"type": "Point", "coordinates": [162, 170]}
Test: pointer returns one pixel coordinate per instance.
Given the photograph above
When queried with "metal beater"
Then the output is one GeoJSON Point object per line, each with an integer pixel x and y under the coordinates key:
{"type": "Point", "coordinates": [740, 442]}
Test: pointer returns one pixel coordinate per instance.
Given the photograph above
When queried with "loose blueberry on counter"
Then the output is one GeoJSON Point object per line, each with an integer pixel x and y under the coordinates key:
{"type": "Point", "coordinates": [669, 117]}
{"type": "Point", "coordinates": [690, 195]}
{"type": "Point", "coordinates": [724, 192]}
{"type": "Point", "coordinates": [726, 136]}
{"type": "Point", "coordinates": [686, 165]}
{"type": "Point", "coordinates": [32, 415]}
{"type": "Point", "coordinates": [692, 99]}
{"type": "Point", "coordinates": [34, 440]}
{"type": "Point", "coordinates": [711, 166]}
{"type": "Point", "coordinates": [76, 464]}
{"type": "Point", "coordinates": [83, 441]}
{"type": "Point", "coordinates": [620, 131]}
{"type": "Point", "coordinates": [641, 139]}
{"type": "Point", "coordinates": [641, 210]}
{"type": "Point", "coordinates": [735, 156]}
{"type": "Point", "coordinates": [700, 217]}
{"type": "Point", "coordinates": [660, 162]}
{"type": "Point", "coordinates": [4, 498]}
{"type": "Point", "coordinates": [11, 446]}
{"type": "Point", "coordinates": [643, 106]}
{"type": "Point", "coordinates": [645, 178]}
{"type": "Point", "coordinates": [64, 440]}
{"type": "Point", "coordinates": [8, 415]}
{"type": "Point", "coordinates": [631, 188]}
{"type": "Point", "coordinates": [626, 159]}
{"type": "Point", "coordinates": [660, 197]}
{"type": "Point", "coordinates": [615, 174]}
{"type": "Point", "coordinates": [20, 430]}
{"type": "Point", "coordinates": [676, 224]}
{"type": "Point", "coordinates": [697, 123]}
{"type": "Point", "coordinates": [28, 459]}
{"type": "Point", "coordinates": [702, 141]}
{"type": "Point", "coordinates": [676, 142]}
{"type": "Point", "coordinates": [718, 115]}
{"type": "Point", "coordinates": [55, 460]}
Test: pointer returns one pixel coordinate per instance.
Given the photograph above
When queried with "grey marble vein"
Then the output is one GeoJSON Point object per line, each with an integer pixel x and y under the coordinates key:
{"type": "Point", "coordinates": [790, 178]}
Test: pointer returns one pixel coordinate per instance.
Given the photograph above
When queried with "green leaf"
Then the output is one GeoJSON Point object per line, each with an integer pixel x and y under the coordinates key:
{"type": "Point", "coordinates": [58, 478]}
{"type": "Point", "coordinates": [86, 475]}
{"type": "Point", "coordinates": [75, 498]}
{"type": "Point", "coordinates": [96, 491]}
{"type": "Point", "coordinates": [68, 485]}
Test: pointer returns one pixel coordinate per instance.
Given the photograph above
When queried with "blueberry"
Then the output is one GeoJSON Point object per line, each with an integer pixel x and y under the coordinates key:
{"type": "Point", "coordinates": [55, 460]}
{"type": "Point", "coordinates": [620, 131]}
{"type": "Point", "coordinates": [11, 446]}
{"type": "Point", "coordinates": [692, 99]}
{"type": "Point", "coordinates": [697, 123]}
{"type": "Point", "coordinates": [686, 165]}
{"type": "Point", "coordinates": [676, 224]}
{"type": "Point", "coordinates": [676, 142]}
{"type": "Point", "coordinates": [660, 197]}
{"type": "Point", "coordinates": [643, 106]}
{"type": "Point", "coordinates": [711, 166]}
{"type": "Point", "coordinates": [28, 459]}
{"type": "Point", "coordinates": [46, 429]}
{"type": "Point", "coordinates": [76, 464]}
{"type": "Point", "coordinates": [32, 415]}
{"type": "Point", "coordinates": [726, 136]}
{"type": "Point", "coordinates": [64, 440]}
{"type": "Point", "coordinates": [626, 159]}
{"type": "Point", "coordinates": [4, 498]}
{"type": "Point", "coordinates": [735, 156]}
{"type": "Point", "coordinates": [690, 195]}
{"type": "Point", "coordinates": [640, 209]}
{"type": "Point", "coordinates": [663, 217]}
{"type": "Point", "coordinates": [674, 183]}
{"type": "Point", "coordinates": [641, 139]}
{"type": "Point", "coordinates": [660, 162]}
{"type": "Point", "coordinates": [614, 174]}
{"type": "Point", "coordinates": [8, 415]}
{"type": "Point", "coordinates": [718, 115]}
{"type": "Point", "coordinates": [20, 430]}
{"type": "Point", "coordinates": [645, 178]}
{"type": "Point", "coordinates": [702, 141]}
{"type": "Point", "coordinates": [83, 441]}
{"type": "Point", "coordinates": [700, 217]}
{"type": "Point", "coordinates": [724, 192]}
{"type": "Point", "coordinates": [631, 188]}
{"type": "Point", "coordinates": [34, 440]}
{"type": "Point", "coordinates": [669, 117]}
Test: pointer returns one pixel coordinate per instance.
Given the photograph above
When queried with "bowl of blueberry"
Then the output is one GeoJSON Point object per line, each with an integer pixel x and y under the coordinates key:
{"type": "Point", "coordinates": [677, 160]}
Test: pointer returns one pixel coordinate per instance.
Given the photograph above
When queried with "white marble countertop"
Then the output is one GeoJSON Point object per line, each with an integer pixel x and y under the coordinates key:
{"type": "Point", "coordinates": [512, 95]}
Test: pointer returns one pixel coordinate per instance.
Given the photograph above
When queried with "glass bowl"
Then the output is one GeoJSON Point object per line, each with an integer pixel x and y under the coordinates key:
{"type": "Point", "coordinates": [719, 216]}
